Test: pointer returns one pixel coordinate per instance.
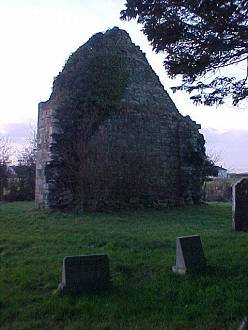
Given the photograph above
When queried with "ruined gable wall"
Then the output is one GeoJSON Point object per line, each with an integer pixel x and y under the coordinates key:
{"type": "Point", "coordinates": [143, 152]}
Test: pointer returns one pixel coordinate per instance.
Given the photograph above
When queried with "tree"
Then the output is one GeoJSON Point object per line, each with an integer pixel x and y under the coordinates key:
{"type": "Point", "coordinates": [20, 181]}
{"type": "Point", "coordinates": [27, 156]}
{"type": "Point", "coordinates": [210, 170]}
{"type": "Point", "coordinates": [199, 37]}
{"type": "Point", "coordinates": [5, 154]}
{"type": "Point", "coordinates": [25, 170]}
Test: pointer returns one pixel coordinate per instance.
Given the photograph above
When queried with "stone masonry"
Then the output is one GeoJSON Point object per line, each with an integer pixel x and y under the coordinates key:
{"type": "Point", "coordinates": [142, 152]}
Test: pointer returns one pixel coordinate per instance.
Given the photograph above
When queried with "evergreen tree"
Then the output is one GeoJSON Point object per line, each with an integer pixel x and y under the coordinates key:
{"type": "Point", "coordinates": [198, 37]}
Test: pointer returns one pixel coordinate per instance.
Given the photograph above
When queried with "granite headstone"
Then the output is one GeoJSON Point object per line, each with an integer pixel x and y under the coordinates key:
{"type": "Point", "coordinates": [85, 273]}
{"type": "Point", "coordinates": [244, 324]}
{"type": "Point", "coordinates": [189, 255]}
{"type": "Point", "coordinates": [240, 205]}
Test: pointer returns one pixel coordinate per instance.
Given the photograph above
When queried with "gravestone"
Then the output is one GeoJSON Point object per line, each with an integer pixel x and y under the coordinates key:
{"type": "Point", "coordinates": [240, 205]}
{"type": "Point", "coordinates": [244, 324]}
{"type": "Point", "coordinates": [189, 255]}
{"type": "Point", "coordinates": [85, 273]}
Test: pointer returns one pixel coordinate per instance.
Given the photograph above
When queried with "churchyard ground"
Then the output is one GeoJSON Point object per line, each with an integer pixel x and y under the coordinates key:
{"type": "Point", "coordinates": [145, 293]}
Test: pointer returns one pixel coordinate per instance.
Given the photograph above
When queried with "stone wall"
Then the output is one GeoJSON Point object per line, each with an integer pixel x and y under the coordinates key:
{"type": "Point", "coordinates": [47, 162]}
{"type": "Point", "coordinates": [142, 152]}
{"type": "Point", "coordinates": [44, 156]}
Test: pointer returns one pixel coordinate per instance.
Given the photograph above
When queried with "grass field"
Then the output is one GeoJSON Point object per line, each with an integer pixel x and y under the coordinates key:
{"type": "Point", "coordinates": [141, 245]}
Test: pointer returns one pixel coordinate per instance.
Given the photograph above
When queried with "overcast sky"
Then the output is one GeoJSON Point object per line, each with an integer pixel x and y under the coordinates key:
{"type": "Point", "coordinates": [37, 36]}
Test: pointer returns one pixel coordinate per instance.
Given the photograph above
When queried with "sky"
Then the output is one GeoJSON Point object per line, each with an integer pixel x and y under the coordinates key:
{"type": "Point", "coordinates": [37, 37]}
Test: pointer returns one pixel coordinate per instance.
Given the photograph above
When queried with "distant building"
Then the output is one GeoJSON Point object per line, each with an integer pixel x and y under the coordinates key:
{"type": "Point", "coordinates": [222, 172]}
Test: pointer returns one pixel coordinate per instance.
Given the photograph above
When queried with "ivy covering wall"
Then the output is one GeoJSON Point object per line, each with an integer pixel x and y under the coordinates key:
{"type": "Point", "coordinates": [89, 90]}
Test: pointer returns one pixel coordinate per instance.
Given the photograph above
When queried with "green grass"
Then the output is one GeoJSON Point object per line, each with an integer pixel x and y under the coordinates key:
{"type": "Point", "coordinates": [141, 246]}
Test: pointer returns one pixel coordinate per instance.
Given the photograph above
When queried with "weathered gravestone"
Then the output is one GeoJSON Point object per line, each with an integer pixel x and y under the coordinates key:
{"type": "Point", "coordinates": [240, 205]}
{"type": "Point", "coordinates": [85, 273]}
{"type": "Point", "coordinates": [189, 255]}
{"type": "Point", "coordinates": [244, 324]}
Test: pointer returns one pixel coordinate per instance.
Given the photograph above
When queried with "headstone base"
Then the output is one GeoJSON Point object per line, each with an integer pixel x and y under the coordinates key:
{"type": "Point", "coordinates": [178, 270]}
{"type": "Point", "coordinates": [63, 288]}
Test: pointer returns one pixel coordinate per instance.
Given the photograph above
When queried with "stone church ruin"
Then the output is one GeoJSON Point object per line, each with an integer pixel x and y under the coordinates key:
{"type": "Point", "coordinates": [110, 136]}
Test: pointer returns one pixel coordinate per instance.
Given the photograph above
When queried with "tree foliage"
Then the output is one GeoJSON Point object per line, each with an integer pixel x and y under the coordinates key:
{"type": "Point", "coordinates": [198, 37]}
{"type": "Point", "coordinates": [17, 182]}
{"type": "Point", "coordinates": [5, 154]}
{"type": "Point", "coordinates": [23, 187]}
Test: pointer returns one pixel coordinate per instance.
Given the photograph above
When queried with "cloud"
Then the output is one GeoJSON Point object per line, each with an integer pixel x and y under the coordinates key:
{"type": "Point", "coordinates": [18, 133]}
{"type": "Point", "coordinates": [231, 146]}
